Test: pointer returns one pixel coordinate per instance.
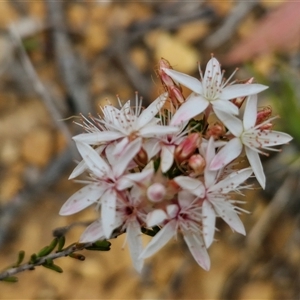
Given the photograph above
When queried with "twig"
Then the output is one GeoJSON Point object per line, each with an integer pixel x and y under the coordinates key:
{"type": "Point", "coordinates": [38, 85]}
{"type": "Point", "coordinates": [229, 27]}
{"type": "Point", "coordinates": [72, 69]}
{"type": "Point", "coordinates": [42, 260]}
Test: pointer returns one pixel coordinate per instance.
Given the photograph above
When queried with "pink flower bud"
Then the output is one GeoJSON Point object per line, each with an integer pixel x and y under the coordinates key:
{"type": "Point", "coordinates": [187, 147]}
{"type": "Point", "coordinates": [156, 192]}
{"type": "Point", "coordinates": [215, 130]}
{"type": "Point", "coordinates": [197, 164]}
{"type": "Point", "coordinates": [172, 87]}
{"type": "Point", "coordinates": [263, 115]}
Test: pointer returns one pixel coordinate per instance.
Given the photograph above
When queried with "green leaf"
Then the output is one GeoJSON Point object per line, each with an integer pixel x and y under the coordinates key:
{"type": "Point", "coordinates": [151, 232]}
{"type": "Point", "coordinates": [12, 279]}
{"type": "Point", "coordinates": [48, 249]}
{"type": "Point", "coordinates": [77, 256]}
{"type": "Point", "coordinates": [50, 265]}
{"type": "Point", "coordinates": [21, 256]}
{"type": "Point", "coordinates": [100, 246]}
{"type": "Point", "coordinates": [61, 243]}
{"type": "Point", "coordinates": [33, 258]}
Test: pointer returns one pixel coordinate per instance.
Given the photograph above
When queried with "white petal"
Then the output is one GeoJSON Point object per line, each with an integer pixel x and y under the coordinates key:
{"type": "Point", "coordinates": [212, 72]}
{"type": "Point", "coordinates": [121, 162]}
{"type": "Point", "coordinates": [190, 82]}
{"type": "Point", "coordinates": [185, 199]}
{"type": "Point", "coordinates": [225, 106]}
{"type": "Point", "coordinates": [226, 211]}
{"type": "Point", "coordinates": [157, 130]}
{"type": "Point", "coordinates": [232, 181]}
{"type": "Point", "coordinates": [250, 113]}
{"type": "Point", "coordinates": [151, 146]}
{"type": "Point", "coordinates": [115, 149]}
{"type": "Point", "coordinates": [156, 217]}
{"type": "Point", "coordinates": [134, 240]}
{"type": "Point", "coordinates": [160, 239]}
{"type": "Point", "coordinates": [256, 165]}
{"type": "Point", "coordinates": [92, 233]}
{"type": "Point", "coordinates": [82, 199]}
{"type": "Point", "coordinates": [227, 154]}
{"type": "Point", "coordinates": [166, 157]}
{"type": "Point", "coordinates": [128, 180]}
{"type": "Point", "coordinates": [234, 124]}
{"type": "Point", "coordinates": [79, 169]}
{"type": "Point", "coordinates": [194, 186]}
{"type": "Point", "coordinates": [208, 222]}
{"type": "Point", "coordinates": [151, 111]}
{"type": "Point", "coordinates": [239, 90]}
{"type": "Point", "coordinates": [193, 106]}
{"type": "Point", "coordinates": [197, 249]}
{"type": "Point", "coordinates": [93, 160]}
{"type": "Point", "coordinates": [108, 212]}
{"type": "Point", "coordinates": [209, 176]}
{"type": "Point", "coordinates": [274, 138]}
{"type": "Point", "coordinates": [98, 137]}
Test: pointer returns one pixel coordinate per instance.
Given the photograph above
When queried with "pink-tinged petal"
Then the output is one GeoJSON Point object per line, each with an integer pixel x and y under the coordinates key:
{"type": "Point", "coordinates": [256, 165]}
{"type": "Point", "coordinates": [250, 113]}
{"type": "Point", "coordinates": [194, 186]}
{"type": "Point", "coordinates": [108, 212]}
{"type": "Point", "coordinates": [234, 124]}
{"type": "Point", "coordinates": [227, 154]}
{"type": "Point", "coordinates": [157, 130]}
{"type": "Point", "coordinates": [98, 137]}
{"type": "Point", "coordinates": [226, 211]}
{"type": "Point", "coordinates": [208, 222]}
{"type": "Point", "coordinates": [160, 239]}
{"type": "Point", "coordinates": [232, 181]}
{"type": "Point", "coordinates": [93, 160]}
{"type": "Point", "coordinates": [128, 180]}
{"type": "Point", "coordinates": [190, 82]}
{"type": "Point", "coordinates": [193, 106]}
{"type": "Point", "coordinates": [92, 233]}
{"type": "Point", "coordinates": [120, 164]}
{"type": "Point", "coordinates": [134, 240]}
{"type": "Point", "coordinates": [82, 199]}
{"type": "Point", "coordinates": [156, 217]}
{"type": "Point", "coordinates": [166, 157]}
{"type": "Point", "coordinates": [185, 199]}
{"type": "Point", "coordinates": [151, 111]}
{"type": "Point", "coordinates": [197, 249]}
{"type": "Point", "coordinates": [239, 90]}
{"type": "Point", "coordinates": [225, 106]}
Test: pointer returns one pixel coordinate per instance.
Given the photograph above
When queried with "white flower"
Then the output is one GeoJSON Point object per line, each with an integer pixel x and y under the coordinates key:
{"type": "Point", "coordinates": [217, 200]}
{"type": "Point", "coordinates": [212, 89]}
{"type": "Point", "coordinates": [252, 137]}
{"type": "Point", "coordinates": [185, 217]}
{"type": "Point", "coordinates": [108, 180]}
{"type": "Point", "coordinates": [126, 124]}
{"type": "Point", "coordinates": [130, 215]}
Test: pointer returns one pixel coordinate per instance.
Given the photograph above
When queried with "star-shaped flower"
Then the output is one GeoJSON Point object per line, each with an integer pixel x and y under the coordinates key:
{"type": "Point", "coordinates": [213, 90]}
{"type": "Point", "coordinates": [253, 138]}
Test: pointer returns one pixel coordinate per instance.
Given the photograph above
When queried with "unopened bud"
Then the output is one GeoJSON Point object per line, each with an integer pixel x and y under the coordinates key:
{"type": "Point", "coordinates": [187, 147]}
{"type": "Point", "coordinates": [215, 130]}
{"type": "Point", "coordinates": [141, 158]}
{"type": "Point", "coordinates": [172, 87]}
{"type": "Point", "coordinates": [156, 192]}
{"type": "Point", "coordinates": [197, 164]}
{"type": "Point", "coordinates": [263, 115]}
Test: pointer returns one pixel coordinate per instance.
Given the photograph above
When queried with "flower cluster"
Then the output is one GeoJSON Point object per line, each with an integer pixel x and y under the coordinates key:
{"type": "Point", "coordinates": [173, 167]}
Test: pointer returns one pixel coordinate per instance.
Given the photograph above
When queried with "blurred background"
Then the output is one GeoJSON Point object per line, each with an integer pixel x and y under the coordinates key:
{"type": "Point", "coordinates": [62, 58]}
